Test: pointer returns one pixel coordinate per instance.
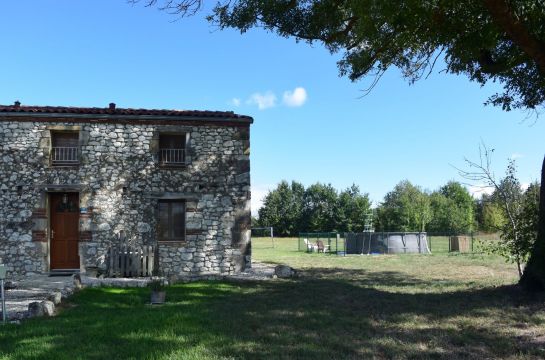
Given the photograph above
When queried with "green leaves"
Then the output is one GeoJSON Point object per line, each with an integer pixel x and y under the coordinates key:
{"type": "Point", "coordinates": [452, 208]}
{"type": "Point", "coordinates": [405, 208]}
{"type": "Point", "coordinates": [373, 35]}
{"type": "Point", "coordinates": [291, 209]}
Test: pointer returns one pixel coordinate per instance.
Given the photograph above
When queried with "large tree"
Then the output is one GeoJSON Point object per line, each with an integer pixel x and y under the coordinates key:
{"type": "Point", "coordinates": [452, 208]}
{"type": "Point", "coordinates": [320, 208]}
{"type": "Point", "coordinates": [534, 273]}
{"type": "Point", "coordinates": [282, 208]}
{"type": "Point", "coordinates": [353, 208]}
{"type": "Point", "coordinates": [487, 40]}
{"type": "Point", "coordinates": [405, 208]}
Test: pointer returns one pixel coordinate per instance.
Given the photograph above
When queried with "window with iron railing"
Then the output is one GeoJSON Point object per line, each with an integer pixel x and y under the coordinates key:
{"type": "Point", "coordinates": [172, 150]}
{"type": "Point", "coordinates": [64, 149]}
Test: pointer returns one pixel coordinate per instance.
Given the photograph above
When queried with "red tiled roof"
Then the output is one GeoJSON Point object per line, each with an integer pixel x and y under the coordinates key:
{"type": "Point", "coordinates": [112, 110]}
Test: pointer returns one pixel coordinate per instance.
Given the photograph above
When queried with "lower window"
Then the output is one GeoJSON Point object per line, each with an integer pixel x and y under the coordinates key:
{"type": "Point", "coordinates": [171, 220]}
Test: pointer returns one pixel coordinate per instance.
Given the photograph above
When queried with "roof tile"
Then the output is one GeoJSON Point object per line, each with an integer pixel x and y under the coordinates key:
{"type": "Point", "coordinates": [119, 111]}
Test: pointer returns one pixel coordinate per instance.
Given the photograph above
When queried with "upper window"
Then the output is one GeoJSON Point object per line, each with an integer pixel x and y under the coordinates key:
{"type": "Point", "coordinates": [171, 220]}
{"type": "Point", "coordinates": [172, 150]}
{"type": "Point", "coordinates": [64, 148]}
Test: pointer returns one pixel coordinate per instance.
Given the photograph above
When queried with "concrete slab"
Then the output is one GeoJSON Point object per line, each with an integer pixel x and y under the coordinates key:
{"type": "Point", "coordinates": [35, 288]}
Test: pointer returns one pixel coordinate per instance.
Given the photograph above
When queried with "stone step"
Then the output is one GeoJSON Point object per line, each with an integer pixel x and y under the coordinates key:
{"type": "Point", "coordinates": [64, 272]}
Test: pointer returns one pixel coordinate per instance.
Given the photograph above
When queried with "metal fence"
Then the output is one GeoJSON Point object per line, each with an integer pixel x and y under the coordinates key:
{"type": "Point", "coordinates": [461, 243]}
{"type": "Point", "coordinates": [333, 242]}
{"type": "Point", "coordinates": [444, 242]}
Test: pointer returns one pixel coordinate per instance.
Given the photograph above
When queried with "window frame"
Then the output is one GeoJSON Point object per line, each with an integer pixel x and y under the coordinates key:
{"type": "Point", "coordinates": [162, 136]}
{"type": "Point", "coordinates": [170, 228]}
{"type": "Point", "coordinates": [59, 163]}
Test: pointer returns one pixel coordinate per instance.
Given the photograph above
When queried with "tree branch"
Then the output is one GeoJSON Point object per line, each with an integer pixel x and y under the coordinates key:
{"type": "Point", "coordinates": [504, 17]}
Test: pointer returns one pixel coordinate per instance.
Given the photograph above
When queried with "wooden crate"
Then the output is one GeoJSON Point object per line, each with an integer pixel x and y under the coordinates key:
{"type": "Point", "coordinates": [460, 243]}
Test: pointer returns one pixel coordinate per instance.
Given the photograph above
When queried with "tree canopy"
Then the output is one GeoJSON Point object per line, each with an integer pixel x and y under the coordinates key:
{"type": "Point", "coordinates": [405, 208]}
{"type": "Point", "coordinates": [488, 40]}
{"type": "Point", "coordinates": [292, 209]}
{"type": "Point", "coordinates": [453, 209]}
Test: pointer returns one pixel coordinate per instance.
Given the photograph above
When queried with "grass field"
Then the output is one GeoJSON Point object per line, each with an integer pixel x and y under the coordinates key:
{"type": "Point", "coordinates": [389, 306]}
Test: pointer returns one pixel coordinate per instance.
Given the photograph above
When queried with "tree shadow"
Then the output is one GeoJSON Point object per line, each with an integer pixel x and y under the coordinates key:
{"type": "Point", "coordinates": [319, 315]}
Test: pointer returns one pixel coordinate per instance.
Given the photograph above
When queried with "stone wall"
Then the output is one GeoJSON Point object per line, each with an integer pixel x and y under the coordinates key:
{"type": "Point", "coordinates": [120, 183]}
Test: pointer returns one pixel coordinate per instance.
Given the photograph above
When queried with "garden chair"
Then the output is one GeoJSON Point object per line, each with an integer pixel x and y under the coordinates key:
{"type": "Point", "coordinates": [321, 247]}
{"type": "Point", "coordinates": [310, 246]}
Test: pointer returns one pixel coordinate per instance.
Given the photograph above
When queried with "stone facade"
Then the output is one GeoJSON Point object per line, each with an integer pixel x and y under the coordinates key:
{"type": "Point", "coordinates": [120, 182]}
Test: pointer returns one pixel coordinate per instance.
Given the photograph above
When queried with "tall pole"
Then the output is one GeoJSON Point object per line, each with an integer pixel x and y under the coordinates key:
{"type": "Point", "coordinates": [4, 314]}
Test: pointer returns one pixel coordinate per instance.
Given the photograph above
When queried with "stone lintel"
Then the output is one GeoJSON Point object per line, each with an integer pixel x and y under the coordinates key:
{"type": "Point", "coordinates": [61, 188]}
{"type": "Point", "coordinates": [63, 127]}
{"type": "Point", "coordinates": [173, 196]}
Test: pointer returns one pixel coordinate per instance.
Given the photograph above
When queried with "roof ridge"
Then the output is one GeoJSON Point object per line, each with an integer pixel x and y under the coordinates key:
{"type": "Point", "coordinates": [112, 110]}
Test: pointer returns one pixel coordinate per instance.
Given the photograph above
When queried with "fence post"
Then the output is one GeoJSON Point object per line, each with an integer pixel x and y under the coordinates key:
{"type": "Point", "coordinates": [110, 271]}
{"type": "Point", "coordinates": [3, 294]}
{"type": "Point", "coordinates": [3, 272]}
{"type": "Point", "coordinates": [151, 259]}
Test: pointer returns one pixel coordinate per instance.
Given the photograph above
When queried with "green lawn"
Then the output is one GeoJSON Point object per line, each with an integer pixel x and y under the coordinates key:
{"type": "Point", "coordinates": [389, 306]}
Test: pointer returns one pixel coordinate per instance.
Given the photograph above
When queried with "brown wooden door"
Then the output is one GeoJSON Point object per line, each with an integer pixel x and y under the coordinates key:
{"type": "Point", "coordinates": [64, 231]}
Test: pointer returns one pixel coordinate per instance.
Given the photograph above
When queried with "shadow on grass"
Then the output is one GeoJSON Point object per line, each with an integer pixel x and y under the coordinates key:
{"type": "Point", "coordinates": [326, 314]}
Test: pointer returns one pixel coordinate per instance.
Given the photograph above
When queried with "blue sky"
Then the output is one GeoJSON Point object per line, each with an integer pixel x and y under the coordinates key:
{"type": "Point", "coordinates": [90, 53]}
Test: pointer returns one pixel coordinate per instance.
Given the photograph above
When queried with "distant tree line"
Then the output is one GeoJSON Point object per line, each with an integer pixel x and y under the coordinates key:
{"type": "Point", "coordinates": [292, 208]}
{"type": "Point", "coordinates": [409, 208]}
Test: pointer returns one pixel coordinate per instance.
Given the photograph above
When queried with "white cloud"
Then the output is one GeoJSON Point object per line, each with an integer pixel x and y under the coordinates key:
{"type": "Point", "coordinates": [263, 101]}
{"type": "Point", "coordinates": [235, 102]}
{"type": "Point", "coordinates": [516, 156]}
{"type": "Point", "coordinates": [295, 98]}
{"type": "Point", "coordinates": [477, 191]}
{"type": "Point", "coordinates": [258, 194]}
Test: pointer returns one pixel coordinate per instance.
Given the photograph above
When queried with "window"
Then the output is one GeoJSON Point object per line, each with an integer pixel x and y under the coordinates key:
{"type": "Point", "coordinates": [171, 220]}
{"type": "Point", "coordinates": [172, 150]}
{"type": "Point", "coordinates": [64, 148]}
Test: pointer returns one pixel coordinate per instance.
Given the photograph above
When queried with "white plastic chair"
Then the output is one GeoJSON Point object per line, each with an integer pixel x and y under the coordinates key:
{"type": "Point", "coordinates": [310, 246]}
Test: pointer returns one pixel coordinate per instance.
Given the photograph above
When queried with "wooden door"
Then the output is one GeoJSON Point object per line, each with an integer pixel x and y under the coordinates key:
{"type": "Point", "coordinates": [64, 210]}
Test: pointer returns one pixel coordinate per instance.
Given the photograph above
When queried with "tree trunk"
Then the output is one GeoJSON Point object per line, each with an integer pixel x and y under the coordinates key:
{"type": "Point", "coordinates": [533, 278]}
{"type": "Point", "coordinates": [504, 16]}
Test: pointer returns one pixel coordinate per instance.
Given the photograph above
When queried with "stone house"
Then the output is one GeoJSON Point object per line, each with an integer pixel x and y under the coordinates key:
{"type": "Point", "coordinates": [75, 181]}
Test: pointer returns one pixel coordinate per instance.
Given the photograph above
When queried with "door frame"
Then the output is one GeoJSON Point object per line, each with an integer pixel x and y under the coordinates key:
{"type": "Point", "coordinates": [50, 193]}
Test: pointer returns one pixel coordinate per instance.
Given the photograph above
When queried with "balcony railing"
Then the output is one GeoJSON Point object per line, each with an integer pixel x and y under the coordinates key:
{"type": "Point", "coordinates": [174, 157]}
{"type": "Point", "coordinates": [64, 155]}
